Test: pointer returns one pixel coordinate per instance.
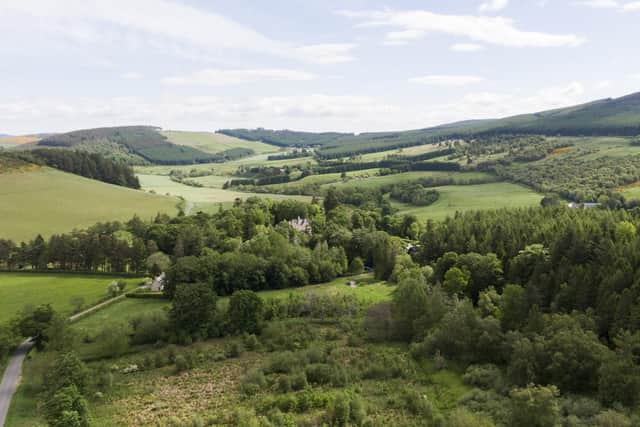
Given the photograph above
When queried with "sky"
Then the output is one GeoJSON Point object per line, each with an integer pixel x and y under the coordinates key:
{"type": "Point", "coordinates": [317, 65]}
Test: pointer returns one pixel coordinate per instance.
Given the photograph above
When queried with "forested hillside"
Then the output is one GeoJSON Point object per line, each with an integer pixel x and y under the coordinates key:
{"type": "Point", "coordinates": [141, 143]}
{"type": "Point", "coordinates": [619, 116]}
{"type": "Point", "coordinates": [94, 166]}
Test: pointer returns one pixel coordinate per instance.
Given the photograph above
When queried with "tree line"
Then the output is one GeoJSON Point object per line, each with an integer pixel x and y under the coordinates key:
{"type": "Point", "coordinates": [90, 165]}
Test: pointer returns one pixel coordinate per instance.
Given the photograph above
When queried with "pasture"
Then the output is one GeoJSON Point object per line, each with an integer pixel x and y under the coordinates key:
{"type": "Point", "coordinates": [215, 142]}
{"type": "Point", "coordinates": [18, 290]}
{"type": "Point", "coordinates": [226, 168]}
{"type": "Point", "coordinates": [590, 148]}
{"type": "Point", "coordinates": [460, 198]}
{"type": "Point", "coordinates": [46, 201]}
{"type": "Point", "coordinates": [203, 198]}
{"type": "Point", "coordinates": [378, 181]}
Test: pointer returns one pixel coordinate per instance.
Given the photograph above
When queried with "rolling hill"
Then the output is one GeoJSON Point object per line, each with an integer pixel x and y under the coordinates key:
{"type": "Point", "coordinates": [137, 144]}
{"type": "Point", "coordinates": [606, 117]}
{"type": "Point", "coordinates": [58, 202]}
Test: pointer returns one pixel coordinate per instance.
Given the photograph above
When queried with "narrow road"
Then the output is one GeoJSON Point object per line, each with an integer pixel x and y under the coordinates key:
{"type": "Point", "coordinates": [11, 378]}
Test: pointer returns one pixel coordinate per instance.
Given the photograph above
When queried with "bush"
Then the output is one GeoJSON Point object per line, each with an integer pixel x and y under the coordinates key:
{"type": "Point", "coordinates": [356, 266]}
{"type": "Point", "coordinates": [149, 328]}
{"type": "Point", "coordinates": [293, 334]}
{"type": "Point", "coordinates": [612, 418]}
{"type": "Point", "coordinates": [286, 362]}
{"type": "Point", "coordinates": [67, 408]}
{"type": "Point", "coordinates": [378, 322]}
{"type": "Point", "coordinates": [534, 406]}
{"type": "Point", "coordinates": [483, 376]}
{"type": "Point", "coordinates": [463, 418]}
{"type": "Point", "coordinates": [182, 364]}
{"type": "Point", "coordinates": [234, 349]}
{"type": "Point", "coordinates": [245, 312]}
{"type": "Point", "coordinates": [113, 341]}
{"type": "Point", "coordinates": [385, 366]}
{"type": "Point", "coordinates": [324, 374]}
{"type": "Point", "coordinates": [251, 342]}
{"type": "Point", "coordinates": [254, 382]}
{"type": "Point", "coordinates": [299, 381]}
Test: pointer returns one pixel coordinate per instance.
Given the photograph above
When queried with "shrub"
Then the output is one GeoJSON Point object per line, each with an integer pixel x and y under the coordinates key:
{"type": "Point", "coordinates": [612, 418]}
{"type": "Point", "coordinates": [182, 363]}
{"type": "Point", "coordinates": [287, 403]}
{"type": "Point", "coordinates": [113, 341]}
{"type": "Point", "coordinates": [289, 335]}
{"type": "Point", "coordinates": [385, 366]}
{"type": "Point", "coordinates": [463, 418]}
{"type": "Point", "coordinates": [483, 376]}
{"type": "Point", "coordinates": [534, 406]}
{"type": "Point", "coordinates": [378, 322]}
{"type": "Point", "coordinates": [299, 381]}
{"type": "Point", "coordinates": [285, 363]}
{"type": "Point", "coordinates": [67, 408]}
{"type": "Point", "coordinates": [245, 312]}
{"type": "Point", "coordinates": [149, 328]}
{"type": "Point", "coordinates": [234, 349]}
{"type": "Point", "coordinates": [323, 374]}
{"type": "Point", "coordinates": [253, 383]}
{"type": "Point", "coordinates": [251, 342]}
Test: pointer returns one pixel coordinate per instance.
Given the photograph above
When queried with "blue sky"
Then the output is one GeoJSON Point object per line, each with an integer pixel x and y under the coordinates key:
{"type": "Point", "coordinates": [350, 65]}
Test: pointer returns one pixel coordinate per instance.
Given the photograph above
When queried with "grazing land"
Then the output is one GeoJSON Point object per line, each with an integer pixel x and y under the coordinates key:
{"type": "Point", "coordinates": [59, 202]}
{"type": "Point", "coordinates": [462, 198]}
{"type": "Point", "coordinates": [216, 142]}
{"type": "Point", "coordinates": [18, 290]}
{"type": "Point", "coordinates": [203, 198]}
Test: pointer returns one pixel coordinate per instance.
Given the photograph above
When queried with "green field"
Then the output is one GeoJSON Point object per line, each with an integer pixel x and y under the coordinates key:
{"type": "Point", "coordinates": [215, 142]}
{"type": "Point", "coordinates": [408, 151]}
{"type": "Point", "coordinates": [121, 311]}
{"type": "Point", "coordinates": [47, 201]}
{"type": "Point", "coordinates": [226, 168]}
{"type": "Point", "coordinates": [460, 198]}
{"type": "Point", "coordinates": [18, 290]}
{"type": "Point", "coordinates": [367, 289]}
{"type": "Point", "coordinates": [378, 181]}
{"type": "Point", "coordinates": [203, 198]}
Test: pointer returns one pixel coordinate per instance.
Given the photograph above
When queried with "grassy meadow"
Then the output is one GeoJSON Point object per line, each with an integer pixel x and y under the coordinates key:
{"type": "Point", "coordinates": [215, 142]}
{"type": "Point", "coordinates": [18, 290]}
{"type": "Point", "coordinates": [46, 201]}
{"type": "Point", "coordinates": [460, 198]}
{"type": "Point", "coordinates": [203, 198]}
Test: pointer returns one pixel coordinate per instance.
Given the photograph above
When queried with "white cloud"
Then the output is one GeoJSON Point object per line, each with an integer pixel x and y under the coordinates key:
{"type": "Point", "coordinates": [326, 53]}
{"type": "Point", "coordinates": [416, 24]}
{"type": "Point", "coordinates": [611, 4]}
{"type": "Point", "coordinates": [466, 47]}
{"type": "Point", "coordinates": [319, 112]}
{"type": "Point", "coordinates": [493, 5]}
{"type": "Point", "coordinates": [446, 80]}
{"type": "Point", "coordinates": [160, 24]}
{"type": "Point", "coordinates": [215, 77]}
{"type": "Point", "coordinates": [604, 84]}
{"type": "Point", "coordinates": [131, 75]}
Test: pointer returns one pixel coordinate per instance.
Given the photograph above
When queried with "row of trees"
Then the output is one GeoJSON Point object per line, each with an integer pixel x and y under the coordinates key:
{"type": "Point", "coordinates": [89, 165]}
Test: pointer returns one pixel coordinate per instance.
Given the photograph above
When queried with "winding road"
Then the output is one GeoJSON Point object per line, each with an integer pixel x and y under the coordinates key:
{"type": "Point", "coordinates": [12, 374]}
{"type": "Point", "coordinates": [11, 378]}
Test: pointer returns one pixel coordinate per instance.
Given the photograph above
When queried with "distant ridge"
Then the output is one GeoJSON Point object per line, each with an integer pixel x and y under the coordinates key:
{"type": "Point", "coordinates": [604, 117]}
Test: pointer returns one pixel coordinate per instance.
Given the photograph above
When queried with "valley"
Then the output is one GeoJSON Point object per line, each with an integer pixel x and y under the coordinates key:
{"type": "Point", "coordinates": [326, 278]}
